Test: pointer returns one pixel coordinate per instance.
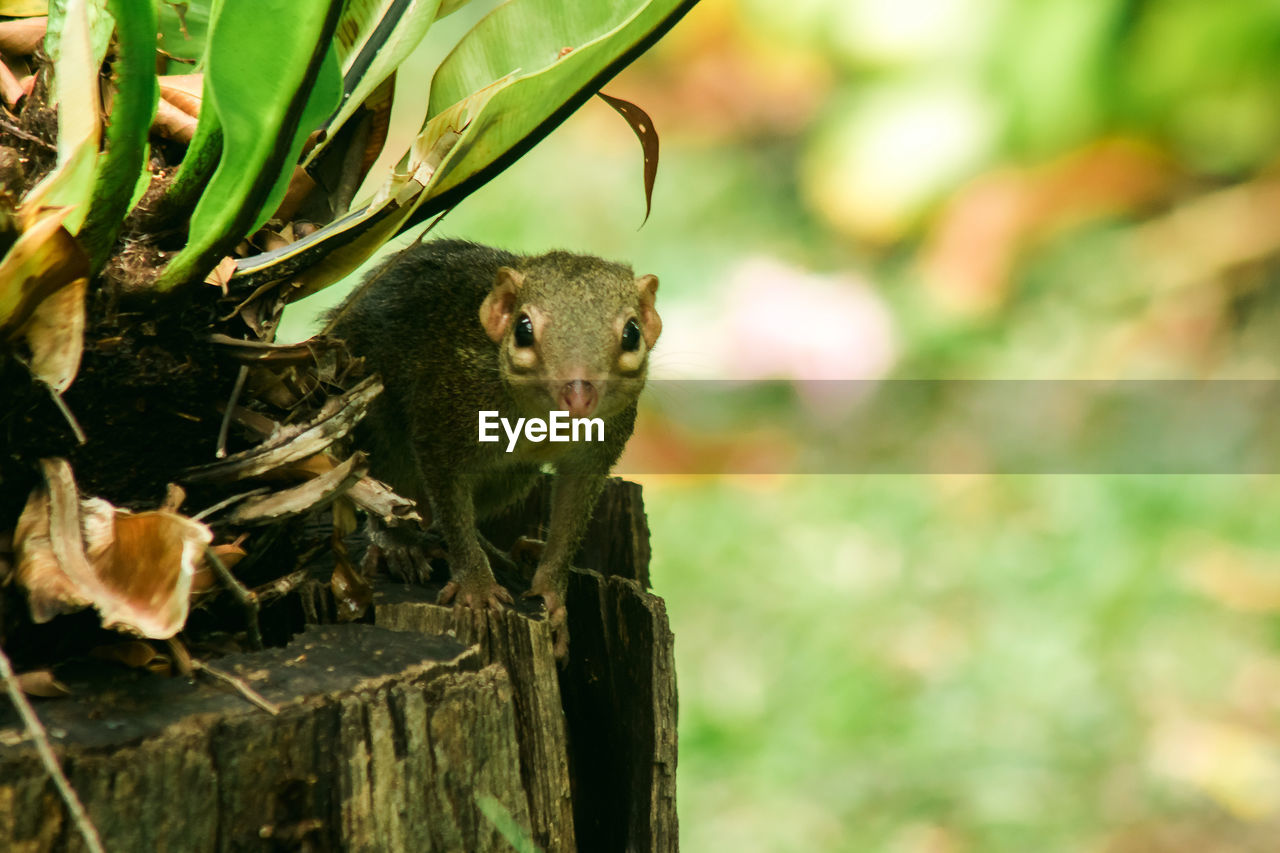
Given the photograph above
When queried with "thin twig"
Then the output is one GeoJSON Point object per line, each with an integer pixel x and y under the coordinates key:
{"type": "Point", "coordinates": [51, 766]}
{"type": "Point", "coordinates": [239, 684]}
{"type": "Point", "coordinates": [10, 127]}
{"type": "Point", "coordinates": [246, 598]}
{"type": "Point", "coordinates": [223, 504]}
{"type": "Point", "coordinates": [220, 451]}
{"type": "Point", "coordinates": [81, 438]}
{"type": "Point", "coordinates": [281, 587]}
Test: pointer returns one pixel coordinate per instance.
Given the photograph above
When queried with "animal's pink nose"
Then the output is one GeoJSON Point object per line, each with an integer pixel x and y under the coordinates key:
{"type": "Point", "coordinates": [579, 397]}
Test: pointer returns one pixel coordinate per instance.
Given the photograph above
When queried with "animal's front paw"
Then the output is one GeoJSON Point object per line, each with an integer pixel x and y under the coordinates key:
{"type": "Point", "coordinates": [478, 595]}
{"type": "Point", "coordinates": [527, 552]}
{"type": "Point", "coordinates": [406, 551]}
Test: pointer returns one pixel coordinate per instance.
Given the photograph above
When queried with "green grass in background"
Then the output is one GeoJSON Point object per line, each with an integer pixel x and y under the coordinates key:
{"type": "Point", "coordinates": [972, 663]}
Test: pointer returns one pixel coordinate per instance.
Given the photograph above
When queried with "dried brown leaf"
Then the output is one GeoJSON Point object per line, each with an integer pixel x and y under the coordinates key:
{"type": "Point", "coordinates": [65, 538]}
{"type": "Point", "coordinates": [148, 572]}
{"type": "Point", "coordinates": [136, 569]}
{"type": "Point", "coordinates": [378, 499]}
{"type": "Point", "coordinates": [42, 261]}
{"type": "Point", "coordinates": [55, 334]}
{"type": "Point", "coordinates": [11, 90]}
{"type": "Point", "coordinates": [184, 91]}
{"type": "Point", "coordinates": [40, 682]}
{"type": "Point", "coordinates": [134, 654]}
{"type": "Point", "coordinates": [222, 273]}
{"type": "Point", "coordinates": [644, 130]}
{"type": "Point", "coordinates": [206, 579]}
{"type": "Point", "coordinates": [50, 591]}
{"type": "Point", "coordinates": [314, 494]}
{"type": "Point", "coordinates": [353, 593]}
{"type": "Point", "coordinates": [335, 419]}
{"type": "Point", "coordinates": [22, 37]}
{"type": "Point", "coordinates": [316, 465]}
{"type": "Point", "coordinates": [174, 123]}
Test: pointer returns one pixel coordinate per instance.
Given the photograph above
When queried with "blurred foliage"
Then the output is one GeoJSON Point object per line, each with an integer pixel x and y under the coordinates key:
{"type": "Point", "coordinates": [968, 663]}
{"type": "Point", "coordinates": [935, 189]}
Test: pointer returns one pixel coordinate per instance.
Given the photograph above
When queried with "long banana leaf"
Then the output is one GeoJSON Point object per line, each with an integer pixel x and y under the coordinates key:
{"type": "Point", "coordinates": [264, 118]}
{"type": "Point", "coordinates": [517, 58]}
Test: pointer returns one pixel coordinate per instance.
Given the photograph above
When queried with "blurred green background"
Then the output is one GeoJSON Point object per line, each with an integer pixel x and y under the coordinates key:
{"type": "Point", "coordinates": [951, 189]}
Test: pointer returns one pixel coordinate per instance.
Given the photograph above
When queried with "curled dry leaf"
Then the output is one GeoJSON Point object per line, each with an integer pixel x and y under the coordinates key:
{"type": "Point", "coordinates": [335, 419]}
{"type": "Point", "coordinates": [222, 273]}
{"type": "Point", "coordinates": [40, 682]}
{"type": "Point", "coordinates": [23, 36]}
{"type": "Point", "coordinates": [134, 654]}
{"type": "Point", "coordinates": [55, 334]}
{"type": "Point", "coordinates": [172, 123]}
{"type": "Point", "coordinates": [44, 259]}
{"type": "Point", "coordinates": [311, 495]}
{"type": "Point", "coordinates": [644, 130]}
{"type": "Point", "coordinates": [136, 569]}
{"type": "Point", "coordinates": [378, 499]}
{"type": "Point", "coordinates": [50, 590]}
{"type": "Point", "coordinates": [11, 89]}
{"type": "Point", "coordinates": [206, 579]}
{"type": "Point", "coordinates": [148, 571]}
{"type": "Point", "coordinates": [184, 91]}
{"type": "Point", "coordinates": [315, 466]}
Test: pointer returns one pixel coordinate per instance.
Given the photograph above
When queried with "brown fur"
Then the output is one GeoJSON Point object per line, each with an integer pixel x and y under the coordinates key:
{"type": "Point", "coordinates": [437, 321]}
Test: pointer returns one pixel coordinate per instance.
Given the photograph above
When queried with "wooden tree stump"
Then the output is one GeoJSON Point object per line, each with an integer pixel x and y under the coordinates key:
{"type": "Point", "coordinates": [432, 729]}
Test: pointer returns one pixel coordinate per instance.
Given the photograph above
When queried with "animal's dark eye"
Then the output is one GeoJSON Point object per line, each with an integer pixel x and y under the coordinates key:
{"type": "Point", "coordinates": [524, 331]}
{"type": "Point", "coordinates": [631, 336]}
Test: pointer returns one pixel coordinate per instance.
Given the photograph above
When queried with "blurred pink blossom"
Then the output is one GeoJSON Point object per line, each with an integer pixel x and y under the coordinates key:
{"type": "Point", "coordinates": [771, 320]}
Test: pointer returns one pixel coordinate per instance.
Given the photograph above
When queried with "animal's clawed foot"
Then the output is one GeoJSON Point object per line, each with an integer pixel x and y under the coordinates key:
{"type": "Point", "coordinates": [557, 616]}
{"type": "Point", "coordinates": [488, 594]}
{"type": "Point", "coordinates": [518, 563]}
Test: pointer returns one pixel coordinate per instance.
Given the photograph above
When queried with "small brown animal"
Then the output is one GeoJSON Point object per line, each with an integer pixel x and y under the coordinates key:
{"type": "Point", "coordinates": [457, 329]}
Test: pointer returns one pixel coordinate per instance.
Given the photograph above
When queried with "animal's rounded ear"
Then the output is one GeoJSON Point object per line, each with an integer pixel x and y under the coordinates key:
{"type": "Point", "coordinates": [650, 322]}
{"type": "Point", "coordinates": [500, 304]}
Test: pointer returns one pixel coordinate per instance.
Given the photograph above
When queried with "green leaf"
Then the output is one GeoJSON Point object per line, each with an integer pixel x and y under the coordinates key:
{"type": "Point", "coordinates": [263, 77]}
{"type": "Point", "coordinates": [508, 827]}
{"type": "Point", "coordinates": [100, 25]}
{"type": "Point", "coordinates": [184, 28]}
{"type": "Point", "coordinates": [526, 41]}
{"type": "Point", "coordinates": [325, 94]}
{"type": "Point", "coordinates": [134, 107]}
{"type": "Point", "coordinates": [467, 142]}
{"type": "Point", "coordinates": [328, 255]}
{"type": "Point", "coordinates": [373, 38]}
